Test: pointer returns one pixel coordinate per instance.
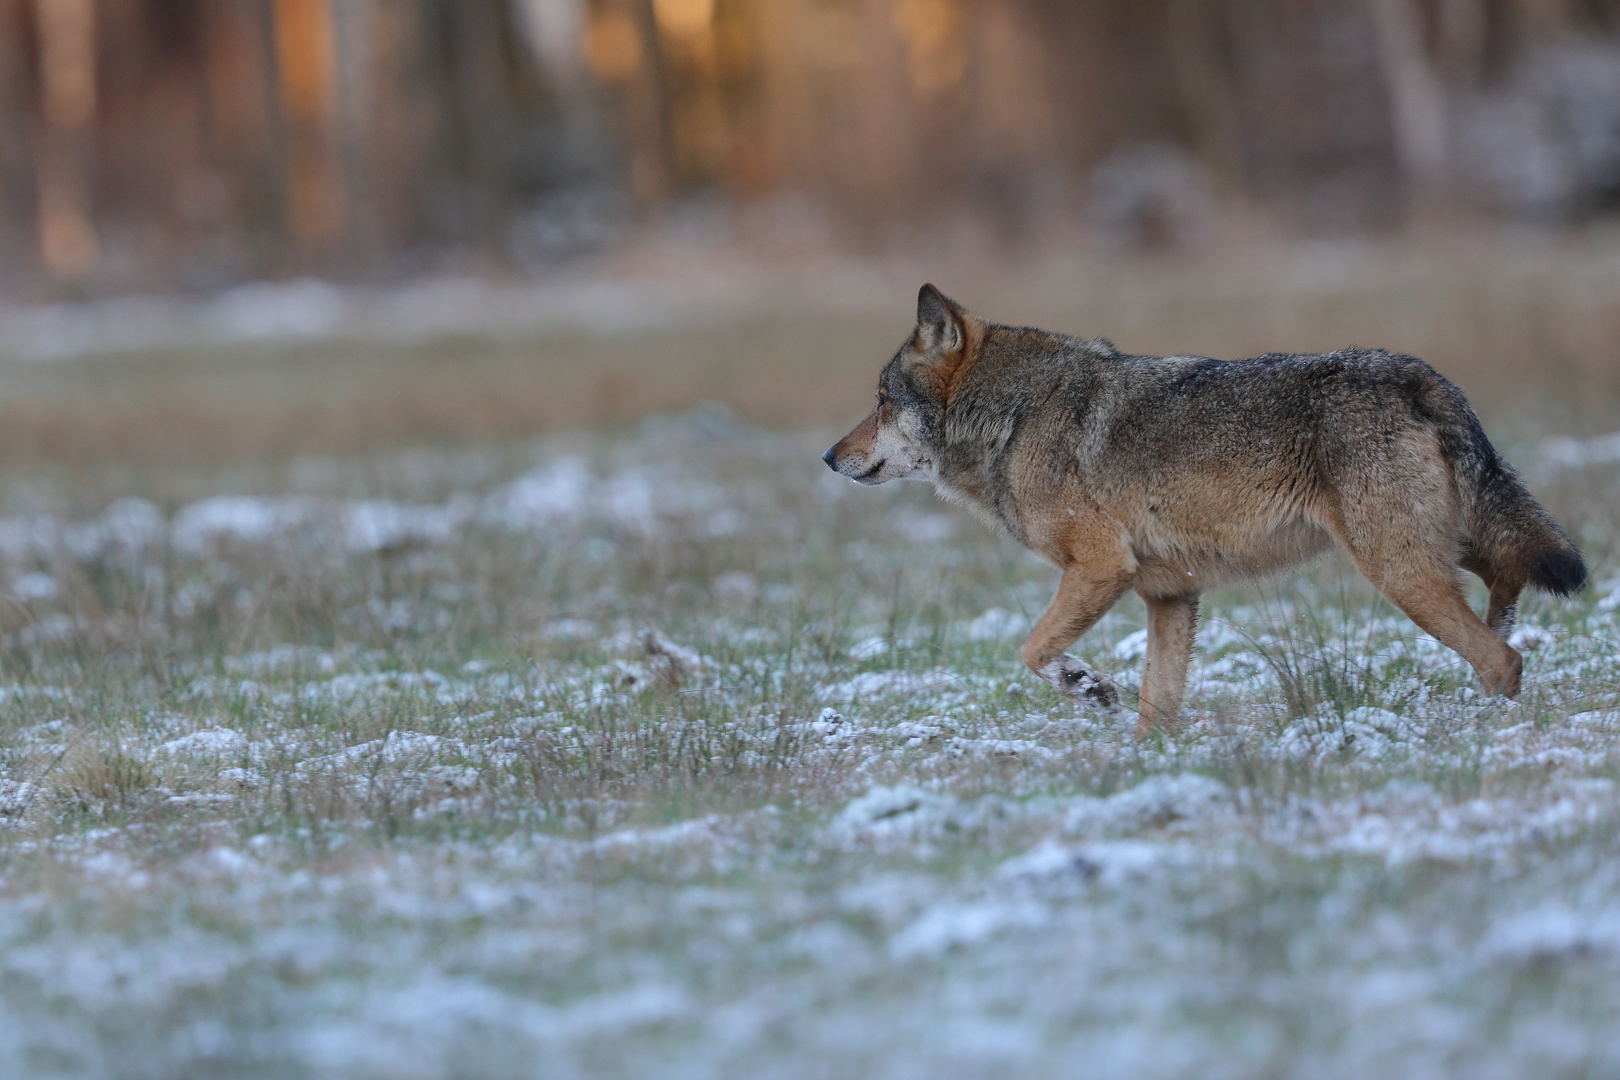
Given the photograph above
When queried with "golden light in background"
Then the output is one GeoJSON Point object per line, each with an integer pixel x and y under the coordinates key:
{"type": "Point", "coordinates": [733, 50]}
{"type": "Point", "coordinates": [612, 46]}
{"type": "Point", "coordinates": [67, 238]}
{"type": "Point", "coordinates": [935, 44]}
{"type": "Point", "coordinates": [304, 50]}
{"type": "Point", "coordinates": [683, 18]}
{"type": "Point", "coordinates": [306, 58]}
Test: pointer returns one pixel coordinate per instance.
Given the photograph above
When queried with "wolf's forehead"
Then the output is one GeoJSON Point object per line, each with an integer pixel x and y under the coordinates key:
{"type": "Point", "coordinates": [889, 377]}
{"type": "Point", "coordinates": [898, 378]}
{"type": "Point", "coordinates": [896, 387]}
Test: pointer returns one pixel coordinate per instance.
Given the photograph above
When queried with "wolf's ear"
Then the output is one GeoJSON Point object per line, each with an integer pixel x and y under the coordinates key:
{"type": "Point", "coordinates": [940, 330]}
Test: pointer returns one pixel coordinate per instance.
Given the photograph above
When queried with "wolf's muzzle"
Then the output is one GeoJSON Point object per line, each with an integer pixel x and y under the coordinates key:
{"type": "Point", "coordinates": [831, 458]}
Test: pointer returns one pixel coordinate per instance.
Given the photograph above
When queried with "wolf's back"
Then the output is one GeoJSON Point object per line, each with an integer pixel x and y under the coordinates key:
{"type": "Point", "coordinates": [1510, 534]}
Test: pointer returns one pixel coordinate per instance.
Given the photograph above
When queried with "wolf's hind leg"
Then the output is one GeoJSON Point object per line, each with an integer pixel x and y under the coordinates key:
{"type": "Point", "coordinates": [1502, 614]}
{"type": "Point", "coordinates": [1401, 524]}
{"type": "Point", "coordinates": [1433, 598]}
{"type": "Point", "coordinates": [1082, 598]}
{"type": "Point", "coordinates": [1172, 627]}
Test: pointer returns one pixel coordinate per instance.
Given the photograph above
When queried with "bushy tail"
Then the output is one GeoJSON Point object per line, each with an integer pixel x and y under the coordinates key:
{"type": "Point", "coordinates": [1512, 539]}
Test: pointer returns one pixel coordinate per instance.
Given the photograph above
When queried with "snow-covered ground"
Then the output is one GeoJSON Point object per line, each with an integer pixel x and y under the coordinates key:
{"type": "Point", "coordinates": [675, 755]}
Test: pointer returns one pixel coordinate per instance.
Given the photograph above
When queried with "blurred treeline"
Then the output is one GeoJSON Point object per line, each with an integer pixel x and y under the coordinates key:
{"type": "Point", "coordinates": [194, 143]}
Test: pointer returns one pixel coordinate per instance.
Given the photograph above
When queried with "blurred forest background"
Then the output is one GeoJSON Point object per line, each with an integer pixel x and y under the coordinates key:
{"type": "Point", "coordinates": [158, 145]}
{"type": "Point", "coordinates": [254, 229]}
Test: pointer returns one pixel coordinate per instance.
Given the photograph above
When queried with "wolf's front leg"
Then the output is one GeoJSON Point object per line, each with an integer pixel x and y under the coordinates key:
{"type": "Point", "coordinates": [1172, 628]}
{"type": "Point", "coordinates": [1083, 596]}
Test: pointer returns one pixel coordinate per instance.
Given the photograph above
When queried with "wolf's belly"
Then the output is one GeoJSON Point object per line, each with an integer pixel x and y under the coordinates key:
{"type": "Point", "coordinates": [1172, 565]}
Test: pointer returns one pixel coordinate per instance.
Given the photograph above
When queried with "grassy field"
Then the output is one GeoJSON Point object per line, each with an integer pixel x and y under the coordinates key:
{"type": "Point", "coordinates": [652, 748]}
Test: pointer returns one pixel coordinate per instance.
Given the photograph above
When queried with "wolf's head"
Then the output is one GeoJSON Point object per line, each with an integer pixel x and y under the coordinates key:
{"type": "Point", "coordinates": [901, 437]}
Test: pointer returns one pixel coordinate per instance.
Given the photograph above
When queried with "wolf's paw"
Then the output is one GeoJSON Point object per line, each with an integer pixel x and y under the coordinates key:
{"type": "Point", "coordinates": [1081, 685]}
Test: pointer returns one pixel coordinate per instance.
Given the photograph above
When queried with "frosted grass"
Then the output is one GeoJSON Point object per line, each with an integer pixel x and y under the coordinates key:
{"type": "Point", "coordinates": [668, 755]}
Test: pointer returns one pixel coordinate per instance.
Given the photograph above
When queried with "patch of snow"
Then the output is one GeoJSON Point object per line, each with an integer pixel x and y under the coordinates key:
{"type": "Point", "coordinates": [873, 684]}
{"type": "Point", "coordinates": [215, 742]}
{"type": "Point", "coordinates": [376, 525]}
{"type": "Point", "coordinates": [1015, 748]}
{"type": "Point", "coordinates": [419, 1030]}
{"type": "Point", "coordinates": [201, 525]}
{"type": "Point", "coordinates": [682, 833]}
{"type": "Point", "coordinates": [397, 747]}
{"type": "Point", "coordinates": [640, 499]}
{"type": "Point", "coordinates": [15, 795]}
{"type": "Point", "coordinates": [955, 924]}
{"type": "Point", "coordinates": [1374, 733]}
{"type": "Point", "coordinates": [995, 624]}
{"type": "Point", "coordinates": [882, 803]}
{"type": "Point", "coordinates": [35, 585]}
{"type": "Point", "coordinates": [1369, 733]}
{"type": "Point", "coordinates": [1526, 637]}
{"type": "Point", "coordinates": [1182, 801]}
{"type": "Point", "coordinates": [29, 536]}
{"type": "Point", "coordinates": [363, 525]}
{"type": "Point", "coordinates": [569, 630]}
{"type": "Point", "coordinates": [1596, 720]}
{"type": "Point", "coordinates": [267, 311]}
{"type": "Point", "coordinates": [1053, 865]}
{"type": "Point", "coordinates": [556, 489]}
{"type": "Point", "coordinates": [126, 526]}
{"type": "Point", "coordinates": [1552, 931]}
{"type": "Point", "coordinates": [1132, 646]}
{"type": "Point", "coordinates": [246, 778]}
{"type": "Point", "coordinates": [868, 648]}
{"type": "Point", "coordinates": [200, 799]}
{"type": "Point", "coordinates": [885, 813]}
{"type": "Point", "coordinates": [915, 733]}
{"type": "Point", "coordinates": [830, 727]}
{"type": "Point", "coordinates": [1403, 823]}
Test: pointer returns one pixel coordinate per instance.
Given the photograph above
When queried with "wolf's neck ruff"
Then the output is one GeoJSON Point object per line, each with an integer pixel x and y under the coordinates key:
{"type": "Point", "coordinates": [1167, 475]}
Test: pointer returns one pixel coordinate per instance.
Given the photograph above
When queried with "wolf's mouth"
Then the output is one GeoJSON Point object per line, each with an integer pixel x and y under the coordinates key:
{"type": "Point", "coordinates": [869, 473]}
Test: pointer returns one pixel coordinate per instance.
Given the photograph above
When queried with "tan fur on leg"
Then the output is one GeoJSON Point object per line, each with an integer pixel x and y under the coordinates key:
{"type": "Point", "coordinates": [1438, 606]}
{"type": "Point", "coordinates": [1082, 598]}
{"type": "Point", "coordinates": [1172, 628]}
{"type": "Point", "coordinates": [1433, 598]}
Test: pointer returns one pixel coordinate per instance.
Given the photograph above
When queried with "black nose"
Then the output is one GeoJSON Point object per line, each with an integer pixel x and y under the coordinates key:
{"type": "Point", "coordinates": [831, 458]}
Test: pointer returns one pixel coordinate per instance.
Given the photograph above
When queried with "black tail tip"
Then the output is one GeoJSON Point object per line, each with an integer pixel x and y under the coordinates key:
{"type": "Point", "coordinates": [1560, 571]}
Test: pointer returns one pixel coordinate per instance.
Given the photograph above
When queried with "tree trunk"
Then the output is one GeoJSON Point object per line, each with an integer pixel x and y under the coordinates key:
{"type": "Point", "coordinates": [1206, 90]}
{"type": "Point", "coordinates": [67, 68]}
{"type": "Point", "coordinates": [1417, 97]}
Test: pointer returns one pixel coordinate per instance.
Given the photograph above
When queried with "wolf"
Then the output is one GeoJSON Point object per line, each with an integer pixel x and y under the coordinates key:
{"type": "Point", "coordinates": [1171, 475]}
